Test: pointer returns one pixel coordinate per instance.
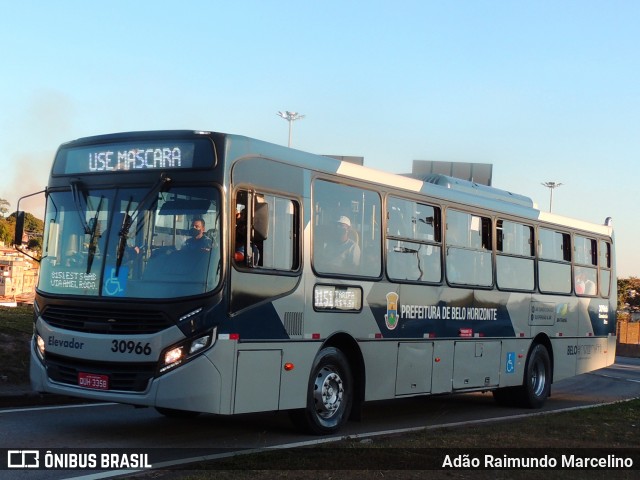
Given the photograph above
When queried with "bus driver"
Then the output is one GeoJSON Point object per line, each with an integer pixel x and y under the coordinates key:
{"type": "Point", "coordinates": [198, 239]}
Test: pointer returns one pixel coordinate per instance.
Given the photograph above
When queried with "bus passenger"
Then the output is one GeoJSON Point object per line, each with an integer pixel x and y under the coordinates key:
{"type": "Point", "coordinates": [341, 254]}
{"type": "Point", "coordinates": [580, 284]}
{"type": "Point", "coordinates": [198, 239]}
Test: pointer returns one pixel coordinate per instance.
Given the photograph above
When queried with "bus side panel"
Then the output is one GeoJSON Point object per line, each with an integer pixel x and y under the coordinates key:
{"type": "Point", "coordinates": [591, 354]}
{"type": "Point", "coordinates": [294, 383]}
{"type": "Point", "coordinates": [476, 364]}
{"type": "Point", "coordinates": [201, 379]}
{"type": "Point", "coordinates": [595, 327]}
{"type": "Point", "coordinates": [415, 360]}
{"type": "Point", "coordinates": [564, 361]}
{"type": "Point", "coordinates": [442, 377]}
{"type": "Point", "coordinates": [512, 361]}
{"type": "Point", "coordinates": [421, 368]}
{"type": "Point", "coordinates": [219, 385]}
{"type": "Point", "coordinates": [257, 380]}
{"type": "Point", "coordinates": [379, 357]}
{"type": "Point", "coordinates": [611, 349]}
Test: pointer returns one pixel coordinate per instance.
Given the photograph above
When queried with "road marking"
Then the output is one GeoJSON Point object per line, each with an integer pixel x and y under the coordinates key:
{"type": "Point", "coordinates": [615, 378]}
{"type": "Point", "coordinates": [55, 407]}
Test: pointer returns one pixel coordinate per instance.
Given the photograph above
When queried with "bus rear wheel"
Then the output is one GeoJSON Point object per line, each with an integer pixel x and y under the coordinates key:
{"type": "Point", "coordinates": [537, 378]}
{"type": "Point", "coordinates": [329, 394]}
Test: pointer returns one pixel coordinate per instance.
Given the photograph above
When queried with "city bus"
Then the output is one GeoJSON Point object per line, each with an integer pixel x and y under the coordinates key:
{"type": "Point", "coordinates": [200, 272]}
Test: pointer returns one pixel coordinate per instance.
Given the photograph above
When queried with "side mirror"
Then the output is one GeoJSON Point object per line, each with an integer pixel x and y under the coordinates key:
{"type": "Point", "coordinates": [17, 239]}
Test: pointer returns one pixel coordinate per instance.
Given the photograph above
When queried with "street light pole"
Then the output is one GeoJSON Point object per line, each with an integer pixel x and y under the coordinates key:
{"type": "Point", "coordinates": [290, 117]}
{"type": "Point", "coordinates": [551, 186]}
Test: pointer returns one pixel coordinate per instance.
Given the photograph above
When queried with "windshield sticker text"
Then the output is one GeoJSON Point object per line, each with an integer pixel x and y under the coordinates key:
{"type": "Point", "coordinates": [78, 280]}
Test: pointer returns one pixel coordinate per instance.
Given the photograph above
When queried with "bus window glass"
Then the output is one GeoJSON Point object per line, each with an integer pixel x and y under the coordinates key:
{"type": "Point", "coordinates": [346, 230]}
{"type": "Point", "coordinates": [585, 272]}
{"type": "Point", "coordinates": [605, 268]}
{"type": "Point", "coordinates": [514, 238]}
{"type": "Point", "coordinates": [554, 277]}
{"type": "Point", "coordinates": [554, 268]}
{"type": "Point", "coordinates": [585, 251]}
{"type": "Point", "coordinates": [605, 254]}
{"type": "Point", "coordinates": [274, 245]}
{"type": "Point", "coordinates": [413, 241]}
{"type": "Point", "coordinates": [585, 279]}
{"type": "Point", "coordinates": [514, 273]}
{"type": "Point", "coordinates": [554, 245]}
{"type": "Point", "coordinates": [106, 243]}
{"type": "Point", "coordinates": [468, 252]}
{"type": "Point", "coordinates": [77, 232]}
{"type": "Point", "coordinates": [514, 261]}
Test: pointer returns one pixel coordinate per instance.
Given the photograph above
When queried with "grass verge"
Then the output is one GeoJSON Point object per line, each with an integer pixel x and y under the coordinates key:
{"type": "Point", "coordinates": [611, 429]}
{"type": "Point", "coordinates": [16, 327]}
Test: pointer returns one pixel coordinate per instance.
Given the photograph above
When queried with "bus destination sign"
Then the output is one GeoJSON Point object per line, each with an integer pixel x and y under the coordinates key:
{"type": "Point", "coordinates": [125, 158]}
{"type": "Point", "coordinates": [336, 297]}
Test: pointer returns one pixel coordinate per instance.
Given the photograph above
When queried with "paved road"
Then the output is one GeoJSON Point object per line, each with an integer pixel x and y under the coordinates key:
{"type": "Point", "coordinates": [109, 426]}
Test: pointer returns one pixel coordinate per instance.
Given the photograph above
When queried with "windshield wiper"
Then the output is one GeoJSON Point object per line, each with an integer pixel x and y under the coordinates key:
{"type": "Point", "coordinates": [93, 240]}
{"type": "Point", "coordinates": [75, 191]}
{"type": "Point", "coordinates": [129, 219]}
{"type": "Point", "coordinates": [123, 233]}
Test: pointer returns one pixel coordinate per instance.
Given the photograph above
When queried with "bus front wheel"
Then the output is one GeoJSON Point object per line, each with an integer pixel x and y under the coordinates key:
{"type": "Point", "coordinates": [329, 394]}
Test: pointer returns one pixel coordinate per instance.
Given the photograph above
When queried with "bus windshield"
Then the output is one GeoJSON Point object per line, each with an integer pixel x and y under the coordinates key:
{"type": "Point", "coordinates": [150, 242]}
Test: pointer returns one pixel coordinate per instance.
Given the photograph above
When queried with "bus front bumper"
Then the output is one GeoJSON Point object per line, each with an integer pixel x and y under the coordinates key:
{"type": "Point", "coordinates": [195, 386]}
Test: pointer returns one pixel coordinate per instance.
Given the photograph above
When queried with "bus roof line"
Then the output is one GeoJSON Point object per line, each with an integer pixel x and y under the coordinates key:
{"type": "Point", "coordinates": [453, 189]}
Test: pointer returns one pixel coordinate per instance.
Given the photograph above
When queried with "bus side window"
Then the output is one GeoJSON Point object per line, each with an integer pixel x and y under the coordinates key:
{"type": "Point", "coordinates": [605, 268]}
{"type": "Point", "coordinates": [585, 270]}
{"type": "Point", "coordinates": [346, 230]}
{"type": "Point", "coordinates": [273, 224]}
{"type": "Point", "coordinates": [413, 241]}
{"type": "Point", "coordinates": [554, 261]}
{"type": "Point", "coordinates": [468, 251]}
{"type": "Point", "coordinates": [514, 256]}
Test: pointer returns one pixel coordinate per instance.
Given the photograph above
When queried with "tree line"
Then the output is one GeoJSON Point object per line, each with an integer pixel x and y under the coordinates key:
{"type": "Point", "coordinates": [628, 296]}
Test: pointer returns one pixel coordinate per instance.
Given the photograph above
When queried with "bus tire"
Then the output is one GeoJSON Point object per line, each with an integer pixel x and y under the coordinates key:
{"type": "Point", "coordinates": [329, 394]}
{"type": "Point", "coordinates": [537, 378]}
{"type": "Point", "coordinates": [175, 413]}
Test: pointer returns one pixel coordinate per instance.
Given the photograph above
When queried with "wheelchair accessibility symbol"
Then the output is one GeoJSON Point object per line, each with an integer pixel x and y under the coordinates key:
{"type": "Point", "coordinates": [114, 286]}
{"type": "Point", "coordinates": [511, 362]}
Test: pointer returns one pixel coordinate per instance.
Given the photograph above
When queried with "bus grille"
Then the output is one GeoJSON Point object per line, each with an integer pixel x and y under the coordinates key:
{"type": "Point", "coordinates": [125, 377]}
{"type": "Point", "coordinates": [105, 321]}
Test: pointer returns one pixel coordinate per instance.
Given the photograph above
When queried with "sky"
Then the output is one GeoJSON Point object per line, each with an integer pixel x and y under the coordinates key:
{"type": "Point", "coordinates": [542, 90]}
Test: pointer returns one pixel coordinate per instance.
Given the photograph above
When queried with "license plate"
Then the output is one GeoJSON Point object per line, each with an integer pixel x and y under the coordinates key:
{"type": "Point", "coordinates": [93, 380]}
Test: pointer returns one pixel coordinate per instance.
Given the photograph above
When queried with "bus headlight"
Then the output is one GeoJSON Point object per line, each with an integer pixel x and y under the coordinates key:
{"type": "Point", "coordinates": [173, 356]}
{"type": "Point", "coordinates": [186, 350]}
{"type": "Point", "coordinates": [40, 346]}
